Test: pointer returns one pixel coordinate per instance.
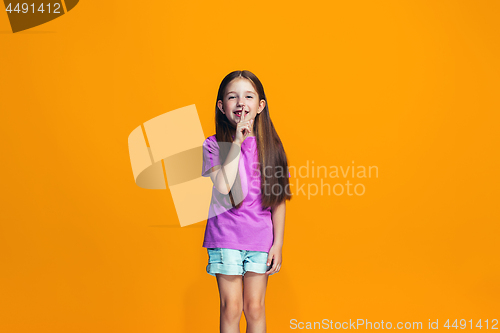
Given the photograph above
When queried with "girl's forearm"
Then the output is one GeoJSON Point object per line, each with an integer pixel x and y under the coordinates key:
{"type": "Point", "coordinates": [230, 168]}
{"type": "Point", "coordinates": [278, 217]}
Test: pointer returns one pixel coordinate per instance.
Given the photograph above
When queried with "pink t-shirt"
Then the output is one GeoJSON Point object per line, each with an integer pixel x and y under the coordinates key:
{"type": "Point", "coordinates": [250, 227]}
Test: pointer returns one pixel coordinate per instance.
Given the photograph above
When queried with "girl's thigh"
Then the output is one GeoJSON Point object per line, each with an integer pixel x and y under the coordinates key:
{"type": "Point", "coordinates": [230, 289]}
{"type": "Point", "coordinates": [254, 287]}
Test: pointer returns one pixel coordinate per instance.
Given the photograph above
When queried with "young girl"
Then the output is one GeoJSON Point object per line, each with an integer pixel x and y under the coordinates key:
{"type": "Point", "coordinates": [248, 167]}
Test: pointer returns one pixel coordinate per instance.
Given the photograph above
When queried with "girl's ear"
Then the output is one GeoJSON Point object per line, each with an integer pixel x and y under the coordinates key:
{"type": "Point", "coordinates": [262, 105]}
{"type": "Point", "coordinates": [219, 105]}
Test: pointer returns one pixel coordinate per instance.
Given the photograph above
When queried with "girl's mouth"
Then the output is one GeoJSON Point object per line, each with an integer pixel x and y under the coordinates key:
{"type": "Point", "coordinates": [238, 113]}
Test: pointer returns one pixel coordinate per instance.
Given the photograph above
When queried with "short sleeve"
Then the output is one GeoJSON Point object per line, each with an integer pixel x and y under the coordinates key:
{"type": "Point", "coordinates": [210, 155]}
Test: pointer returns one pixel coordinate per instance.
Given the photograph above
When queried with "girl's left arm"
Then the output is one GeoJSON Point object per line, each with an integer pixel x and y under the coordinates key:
{"type": "Point", "coordinates": [274, 256]}
{"type": "Point", "coordinates": [278, 217]}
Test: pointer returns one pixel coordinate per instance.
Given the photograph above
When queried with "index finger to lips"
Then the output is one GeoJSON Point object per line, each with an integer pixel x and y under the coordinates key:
{"type": "Point", "coordinates": [243, 114]}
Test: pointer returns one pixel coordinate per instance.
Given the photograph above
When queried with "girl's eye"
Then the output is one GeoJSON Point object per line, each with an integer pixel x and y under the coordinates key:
{"type": "Point", "coordinates": [233, 97]}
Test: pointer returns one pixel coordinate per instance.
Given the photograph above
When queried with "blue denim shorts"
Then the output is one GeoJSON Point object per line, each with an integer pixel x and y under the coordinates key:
{"type": "Point", "coordinates": [236, 262]}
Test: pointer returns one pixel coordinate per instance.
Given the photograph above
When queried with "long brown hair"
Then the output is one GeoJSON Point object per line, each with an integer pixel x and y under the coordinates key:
{"type": "Point", "coordinates": [272, 156]}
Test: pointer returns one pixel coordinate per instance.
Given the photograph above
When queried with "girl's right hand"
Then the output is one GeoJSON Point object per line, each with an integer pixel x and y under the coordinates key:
{"type": "Point", "coordinates": [243, 129]}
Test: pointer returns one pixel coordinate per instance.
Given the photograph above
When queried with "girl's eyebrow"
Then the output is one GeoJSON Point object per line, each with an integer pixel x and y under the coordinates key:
{"type": "Point", "coordinates": [251, 92]}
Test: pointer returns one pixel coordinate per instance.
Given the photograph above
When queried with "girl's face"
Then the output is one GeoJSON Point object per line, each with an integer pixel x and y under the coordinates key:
{"type": "Point", "coordinates": [240, 95]}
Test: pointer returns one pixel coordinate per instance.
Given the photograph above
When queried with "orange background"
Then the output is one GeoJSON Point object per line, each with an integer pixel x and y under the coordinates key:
{"type": "Point", "coordinates": [410, 87]}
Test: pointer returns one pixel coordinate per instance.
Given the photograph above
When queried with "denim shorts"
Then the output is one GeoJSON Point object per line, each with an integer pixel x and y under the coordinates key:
{"type": "Point", "coordinates": [236, 262]}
